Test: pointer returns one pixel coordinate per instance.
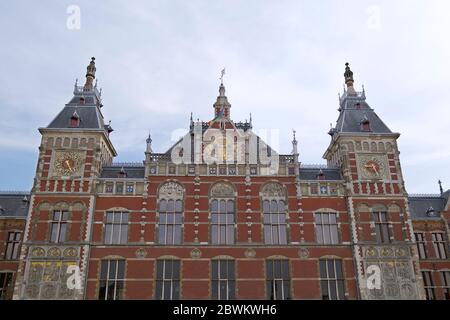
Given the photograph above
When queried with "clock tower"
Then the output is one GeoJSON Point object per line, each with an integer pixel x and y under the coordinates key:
{"type": "Point", "coordinates": [366, 151]}
{"type": "Point", "coordinates": [74, 148]}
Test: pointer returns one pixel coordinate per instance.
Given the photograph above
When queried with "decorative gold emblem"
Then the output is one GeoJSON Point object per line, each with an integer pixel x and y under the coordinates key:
{"type": "Point", "coordinates": [68, 163]}
{"type": "Point", "coordinates": [372, 167]}
{"type": "Point", "coordinates": [70, 252]}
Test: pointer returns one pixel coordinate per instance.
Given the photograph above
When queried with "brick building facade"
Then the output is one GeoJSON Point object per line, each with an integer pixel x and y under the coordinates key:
{"type": "Point", "coordinates": [221, 215]}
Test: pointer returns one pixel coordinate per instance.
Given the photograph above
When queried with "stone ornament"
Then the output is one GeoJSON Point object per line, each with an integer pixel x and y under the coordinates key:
{"type": "Point", "coordinates": [171, 190]}
{"type": "Point", "coordinates": [273, 190]}
{"type": "Point", "coordinates": [303, 253]}
{"type": "Point", "coordinates": [54, 252]}
{"type": "Point", "coordinates": [37, 252]}
{"type": "Point", "coordinates": [196, 253]}
{"type": "Point", "coordinates": [222, 190]}
{"type": "Point", "coordinates": [70, 252]}
{"type": "Point", "coordinates": [250, 253]}
{"type": "Point", "coordinates": [141, 253]}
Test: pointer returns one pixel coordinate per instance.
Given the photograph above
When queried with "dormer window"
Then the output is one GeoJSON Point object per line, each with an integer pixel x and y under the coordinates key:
{"type": "Point", "coordinates": [122, 173]}
{"type": "Point", "coordinates": [82, 100]}
{"type": "Point", "coordinates": [365, 124]}
{"type": "Point", "coordinates": [431, 212]}
{"type": "Point", "coordinates": [75, 120]}
{"type": "Point", "coordinates": [320, 175]}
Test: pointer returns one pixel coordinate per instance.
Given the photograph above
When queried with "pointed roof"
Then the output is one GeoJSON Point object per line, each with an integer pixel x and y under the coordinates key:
{"type": "Point", "coordinates": [353, 110]}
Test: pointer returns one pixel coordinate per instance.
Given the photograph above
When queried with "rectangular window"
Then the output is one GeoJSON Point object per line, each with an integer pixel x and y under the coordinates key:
{"type": "Point", "coordinates": [428, 285]}
{"type": "Point", "coordinates": [223, 280]}
{"type": "Point", "coordinates": [109, 188]}
{"type": "Point", "coordinates": [381, 227]}
{"type": "Point", "coordinates": [323, 189]}
{"type": "Point", "coordinates": [59, 226]}
{"type": "Point", "coordinates": [112, 275]}
{"type": "Point", "coordinates": [12, 245]}
{"type": "Point", "coordinates": [445, 280]}
{"type": "Point", "coordinates": [439, 245]}
{"type": "Point", "coordinates": [275, 225]}
{"type": "Point", "coordinates": [331, 279]}
{"type": "Point", "coordinates": [116, 227]}
{"type": "Point", "coordinates": [421, 245]}
{"type": "Point", "coordinates": [167, 280]}
{"type": "Point", "coordinates": [314, 188]}
{"type": "Point", "coordinates": [119, 187]}
{"type": "Point", "coordinates": [326, 228]}
{"type": "Point", "coordinates": [170, 220]}
{"type": "Point", "coordinates": [6, 285]}
{"type": "Point", "coordinates": [278, 280]}
{"type": "Point", "coordinates": [222, 221]}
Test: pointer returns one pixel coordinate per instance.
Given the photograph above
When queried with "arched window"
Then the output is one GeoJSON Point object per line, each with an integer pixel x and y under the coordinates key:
{"type": "Point", "coordinates": [170, 198]}
{"type": "Point", "coordinates": [274, 214]}
{"type": "Point", "coordinates": [222, 214]}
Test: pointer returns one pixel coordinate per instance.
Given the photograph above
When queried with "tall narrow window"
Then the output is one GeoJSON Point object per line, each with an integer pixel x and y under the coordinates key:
{"type": "Point", "coordinates": [421, 245]}
{"type": "Point", "coordinates": [112, 276]}
{"type": "Point", "coordinates": [445, 280]}
{"type": "Point", "coordinates": [223, 280]}
{"type": "Point", "coordinates": [275, 225]}
{"type": "Point", "coordinates": [12, 245]}
{"type": "Point", "coordinates": [59, 226]}
{"type": "Point", "coordinates": [170, 212]}
{"type": "Point", "coordinates": [439, 245]}
{"type": "Point", "coordinates": [170, 218]}
{"type": "Point", "coordinates": [167, 280]}
{"type": "Point", "coordinates": [222, 221]}
{"type": "Point", "coordinates": [116, 227]}
{"type": "Point", "coordinates": [5, 285]}
{"type": "Point", "coordinates": [331, 279]}
{"type": "Point", "coordinates": [381, 226]}
{"type": "Point", "coordinates": [278, 280]}
{"type": "Point", "coordinates": [326, 228]}
{"type": "Point", "coordinates": [428, 285]}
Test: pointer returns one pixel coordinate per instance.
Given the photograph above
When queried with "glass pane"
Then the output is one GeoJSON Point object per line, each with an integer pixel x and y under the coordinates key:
{"type": "Point", "coordinates": [222, 232]}
{"type": "Point", "coordinates": [323, 269]}
{"type": "Point", "coordinates": [318, 217]}
{"type": "Point", "coordinates": [267, 217]}
{"type": "Point", "coordinates": [273, 206]}
{"type": "Point", "coordinates": [117, 217]}
{"type": "Point", "coordinates": [333, 293]}
{"type": "Point", "coordinates": [65, 215]}
{"type": "Point", "coordinates": [169, 234]}
{"type": "Point", "coordinates": [121, 269]}
{"type": "Point", "coordinates": [158, 293]}
{"type": "Point", "coordinates": [62, 232]}
{"type": "Point", "coordinates": [176, 269]}
{"type": "Point", "coordinates": [178, 206]}
{"type": "Point", "coordinates": [168, 269]}
{"type": "Point", "coordinates": [266, 206]}
{"type": "Point", "coordinates": [326, 234]}
{"type": "Point", "coordinates": [17, 238]}
{"type": "Point", "coordinates": [167, 290]}
{"type": "Point", "coordinates": [124, 234]}
{"type": "Point", "coordinates": [230, 269]}
{"type": "Point", "coordinates": [159, 269]}
{"type": "Point", "coordinates": [231, 290]}
{"type": "Point", "coordinates": [230, 234]}
{"type": "Point", "coordinates": [102, 290]}
{"type": "Point", "coordinates": [176, 290]}
{"type": "Point", "coordinates": [277, 268]}
{"type": "Point", "coordinates": [214, 234]}
{"type": "Point", "coordinates": [178, 218]}
{"type": "Point", "coordinates": [383, 216]}
{"type": "Point", "coordinates": [214, 290]}
{"type": "Point", "coordinates": [214, 269]}
{"type": "Point", "coordinates": [319, 234]}
{"type": "Point", "coordinates": [56, 215]}
{"type": "Point", "coordinates": [119, 290]}
{"type": "Point", "coordinates": [285, 270]}
{"type": "Point", "coordinates": [269, 269]}
{"type": "Point", "coordinates": [170, 206]}
{"type": "Point", "coordinates": [222, 206]}
{"type": "Point", "coordinates": [338, 264]}
{"type": "Point", "coordinates": [9, 250]}
{"type": "Point", "coordinates": [324, 287]}
{"type": "Point", "coordinates": [177, 235]}
{"type": "Point", "coordinates": [230, 206]}
{"type": "Point", "coordinates": [125, 217]}
{"type": "Point", "coordinates": [334, 234]}
{"type": "Point", "coordinates": [341, 293]}
{"type": "Point", "coordinates": [112, 269]}
{"type": "Point", "coordinates": [385, 233]}
{"type": "Point", "coordinates": [223, 290]}
{"type": "Point", "coordinates": [281, 206]}
{"type": "Point", "coordinates": [162, 205]}
{"type": "Point", "coordinates": [162, 234]}
{"type": "Point", "coordinates": [223, 269]}
{"type": "Point", "coordinates": [332, 218]}
{"type": "Point", "coordinates": [104, 270]}
{"type": "Point", "coordinates": [108, 233]}
{"type": "Point", "coordinates": [325, 218]}
{"type": "Point", "coordinates": [230, 218]}
{"type": "Point", "coordinates": [282, 235]}
{"type": "Point", "coordinates": [331, 273]}
{"type": "Point", "coordinates": [115, 234]}
{"type": "Point", "coordinates": [267, 234]}
{"type": "Point", "coordinates": [109, 217]}
{"type": "Point", "coordinates": [286, 290]}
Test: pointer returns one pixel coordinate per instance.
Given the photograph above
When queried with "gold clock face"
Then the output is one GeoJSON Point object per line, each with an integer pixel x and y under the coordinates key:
{"type": "Point", "coordinates": [68, 163]}
{"type": "Point", "coordinates": [372, 167]}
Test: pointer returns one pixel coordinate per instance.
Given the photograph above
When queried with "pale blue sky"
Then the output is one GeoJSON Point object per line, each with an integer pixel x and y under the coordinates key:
{"type": "Point", "coordinates": [159, 60]}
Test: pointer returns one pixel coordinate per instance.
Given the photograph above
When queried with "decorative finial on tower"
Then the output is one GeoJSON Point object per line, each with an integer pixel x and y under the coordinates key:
{"type": "Point", "coordinates": [294, 140]}
{"type": "Point", "coordinates": [149, 142]}
{"type": "Point", "coordinates": [250, 119]}
{"type": "Point", "coordinates": [90, 74]}
{"type": "Point", "coordinates": [440, 187]}
{"type": "Point", "coordinates": [294, 145]}
{"type": "Point", "coordinates": [348, 75]}
{"type": "Point", "coordinates": [222, 73]}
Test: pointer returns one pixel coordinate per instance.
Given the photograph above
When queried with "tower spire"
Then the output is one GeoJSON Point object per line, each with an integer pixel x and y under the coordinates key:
{"type": "Point", "coordinates": [348, 75]}
{"type": "Point", "coordinates": [149, 143]}
{"type": "Point", "coordinates": [222, 106]}
{"type": "Point", "coordinates": [440, 187]}
{"type": "Point", "coordinates": [90, 75]}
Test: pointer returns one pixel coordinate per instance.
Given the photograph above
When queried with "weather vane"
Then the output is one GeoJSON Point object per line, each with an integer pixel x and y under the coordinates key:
{"type": "Point", "coordinates": [221, 75]}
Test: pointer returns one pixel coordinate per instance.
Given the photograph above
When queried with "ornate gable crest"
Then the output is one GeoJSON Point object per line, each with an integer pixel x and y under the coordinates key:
{"type": "Point", "coordinates": [222, 190]}
{"type": "Point", "coordinates": [171, 190]}
{"type": "Point", "coordinates": [273, 190]}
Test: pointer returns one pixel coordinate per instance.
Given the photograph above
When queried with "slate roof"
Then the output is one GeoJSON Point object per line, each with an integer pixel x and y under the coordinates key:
{"type": "Point", "coordinates": [312, 173]}
{"type": "Point", "coordinates": [133, 172]}
{"type": "Point", "coordinates": [353, 109]}
{"type": "Point", "coordinates": [13, 204]}
{"type": "Point", "coordinates": [419, 205]}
